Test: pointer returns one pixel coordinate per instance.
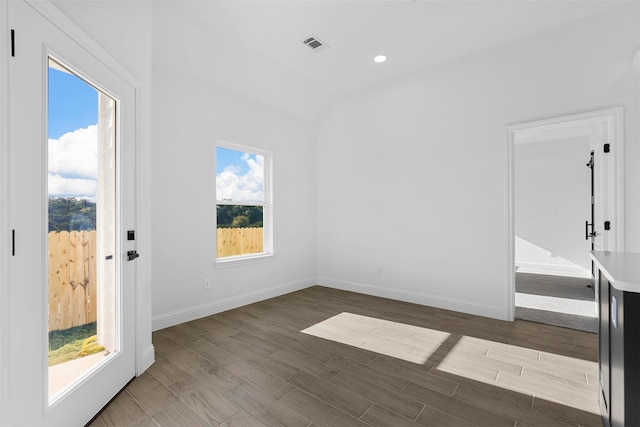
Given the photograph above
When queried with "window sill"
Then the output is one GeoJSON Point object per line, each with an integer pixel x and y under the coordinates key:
{"type": "Point", "coordinates": [235, 261]}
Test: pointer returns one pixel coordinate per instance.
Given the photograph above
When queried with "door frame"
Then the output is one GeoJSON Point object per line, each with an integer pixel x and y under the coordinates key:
{"type": "Point", "coordinates": [613, 118]}
{"type": "Point", "coordinates": [5, 236]}
{"type": "Point", "coordinates": [144, 351]}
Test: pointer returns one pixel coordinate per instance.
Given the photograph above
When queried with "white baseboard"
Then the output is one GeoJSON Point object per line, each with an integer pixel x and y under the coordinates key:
{"type": "Point", "coordinates": [192, 313]}
{"type": "Point", "coordinates": [147, 359]}
{"type": "Point", "coordinates": [416, 298]}
{"type": "Point", "coordinates": [553, 270]}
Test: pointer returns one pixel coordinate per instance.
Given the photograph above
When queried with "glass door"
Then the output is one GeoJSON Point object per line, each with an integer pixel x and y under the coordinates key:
{"type": "Point", "coordinates": [81, 227]}
{"type": "Point", "coordinates": [71, 193]}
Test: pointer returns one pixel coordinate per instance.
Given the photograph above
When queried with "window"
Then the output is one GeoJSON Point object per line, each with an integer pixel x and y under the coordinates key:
{"type": "Point", "coordinates": [243, 204]}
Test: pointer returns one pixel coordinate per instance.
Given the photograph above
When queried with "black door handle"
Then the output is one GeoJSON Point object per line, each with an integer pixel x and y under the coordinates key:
{"type": "Point", "coordinates": [586, 230]}
{"type": "Point", "coordinates": [131, 255]}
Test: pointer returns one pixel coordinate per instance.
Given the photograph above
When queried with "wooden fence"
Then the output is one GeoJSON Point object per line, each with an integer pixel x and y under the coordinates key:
{"type": "Point", "coordinates": [239, 241]}
{"type": "Point", "coordinates": [73, 276]}
{"type": "Point", "coordinates": [72, 279]}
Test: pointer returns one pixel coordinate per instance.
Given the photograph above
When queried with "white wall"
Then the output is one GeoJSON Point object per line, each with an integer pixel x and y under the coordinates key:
{"type": "Point", "coordinates": [190, 114]}
{"type": "Point", "coordinates": [412, 175]}
{"type": "Point", "coordinates": [552, 203]}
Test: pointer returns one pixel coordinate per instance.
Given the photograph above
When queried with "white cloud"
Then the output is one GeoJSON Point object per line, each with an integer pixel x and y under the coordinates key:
{"type": "Point", "coordinates": [75, 154]}
{"type": "Point", "coordinates": [73, 163]}
{"type": "Point", "coordinates": [233, 169]}
{"type": "Point", "coordinates": [76, 187]}
{"type": "Point", "coordinates": [230, 185]}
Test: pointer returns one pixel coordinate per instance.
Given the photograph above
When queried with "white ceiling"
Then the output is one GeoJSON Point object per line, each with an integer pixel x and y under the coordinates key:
{"type": "Point", "coordinates": [254, 48]}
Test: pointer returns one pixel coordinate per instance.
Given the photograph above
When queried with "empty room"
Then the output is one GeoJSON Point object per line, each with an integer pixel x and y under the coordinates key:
{"type": "Point", "coordinates": [319, 213]}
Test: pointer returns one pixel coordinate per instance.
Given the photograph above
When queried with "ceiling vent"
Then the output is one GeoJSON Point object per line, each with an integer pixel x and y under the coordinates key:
{"type": "Point", "coordinates": [314, 43]}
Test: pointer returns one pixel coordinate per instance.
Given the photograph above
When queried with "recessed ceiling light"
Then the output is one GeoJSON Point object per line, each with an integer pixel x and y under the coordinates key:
{"type": "Point", "coordinates": [380, 58]}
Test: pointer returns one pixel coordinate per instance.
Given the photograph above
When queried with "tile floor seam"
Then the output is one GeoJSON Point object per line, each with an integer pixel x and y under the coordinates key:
{"type": "Point", "coordinates": [141, 407]}
{"type": "Point", "coordinates": [415, 419]}
{"type": "Point", "coordinates": [404, 387]}
{"type": "Point", "coordinates": [365, 411]}
{"type": "Point", "coordinates": [323, 401]}
{"type": "Point", "coordinates": [287, 393]}
{"type": "Point", "coordinates": [188, 407]}
{"type": "Point", "coordinates": [453, 392]}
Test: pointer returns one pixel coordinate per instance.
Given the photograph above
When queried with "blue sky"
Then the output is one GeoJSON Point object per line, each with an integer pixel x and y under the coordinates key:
{"type": "Point", "coordinates": [73, 104]}
{"type": "Point", "coordinates": [239, 175]}
{"type": "Point", "coordinates": [72, 136]}
{"type": "Point", "coordinates": [226, 157]}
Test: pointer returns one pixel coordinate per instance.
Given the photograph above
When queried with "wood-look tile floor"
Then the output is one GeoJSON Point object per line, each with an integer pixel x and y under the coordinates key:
{"type": "Point", "coordinates": [324, 357]}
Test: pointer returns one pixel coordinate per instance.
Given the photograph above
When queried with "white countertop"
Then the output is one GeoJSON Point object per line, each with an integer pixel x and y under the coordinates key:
{"type": "Point", "coordinates": [622, 269]}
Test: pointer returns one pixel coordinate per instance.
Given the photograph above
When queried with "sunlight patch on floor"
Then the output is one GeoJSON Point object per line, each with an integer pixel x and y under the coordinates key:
{"type": "Point", "coordinates": [557, 305]}
{"type": "Point", "coordinates": [552, 377]}
{"type": "Point", "coordinates": [399, 340]}
{"type": "Point", "coordinates": [556, 378]}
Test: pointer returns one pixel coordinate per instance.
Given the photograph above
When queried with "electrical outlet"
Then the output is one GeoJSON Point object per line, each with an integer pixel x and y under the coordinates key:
{"type": "Point", "coordinates": [207, 283]}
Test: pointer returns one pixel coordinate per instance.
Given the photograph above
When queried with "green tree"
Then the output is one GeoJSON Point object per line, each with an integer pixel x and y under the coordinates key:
{"type": "Point", "coordinates": [227, 214]}
{"type": "Point", "coordinates": [70, 213]}
{"type": "Point", "coordinates": [241, 221]}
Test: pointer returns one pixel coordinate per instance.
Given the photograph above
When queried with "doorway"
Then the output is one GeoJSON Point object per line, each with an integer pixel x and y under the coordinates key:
{"type": "Point", "coordinates": [549, 202]}
{"type": "Point", "coordinates": [71, 201]}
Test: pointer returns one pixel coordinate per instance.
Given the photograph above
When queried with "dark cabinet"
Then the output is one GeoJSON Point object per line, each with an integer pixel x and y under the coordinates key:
{"type": "Point", "coordinates": [619, 313]}
{"type": "Point", "coordinates": [603, 310]}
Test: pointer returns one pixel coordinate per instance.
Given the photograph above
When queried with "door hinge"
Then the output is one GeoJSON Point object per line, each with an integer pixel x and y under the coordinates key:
{"type": "Point", "coordinates": [13, 43]}
{"type": "Point", "coordinates": [607, 148]}
{"type": "Point", "coordinates": [607, 225]}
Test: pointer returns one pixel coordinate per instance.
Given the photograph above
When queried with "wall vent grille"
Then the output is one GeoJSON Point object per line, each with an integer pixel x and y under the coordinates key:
{"type": "Point", "coordinates": [314, 43]}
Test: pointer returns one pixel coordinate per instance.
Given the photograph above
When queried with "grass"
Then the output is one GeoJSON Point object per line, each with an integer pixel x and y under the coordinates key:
{"type": "Point", "coordinates": [73, 343]}
{"type": "Point", "coordinates": [74, 350]}
{"type": "Point", "coordinates": [65, 353]}
{"type": "Point", "coordinates": [57, 339]}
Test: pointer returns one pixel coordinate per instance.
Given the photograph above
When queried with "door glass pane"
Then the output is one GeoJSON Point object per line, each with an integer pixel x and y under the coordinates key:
{"type": "Point", "coordinates": [81, 233]}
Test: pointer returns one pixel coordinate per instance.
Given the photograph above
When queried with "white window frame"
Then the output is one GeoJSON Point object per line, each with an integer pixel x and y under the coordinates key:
{"type": "Point", "coordinates": [267, 208]}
